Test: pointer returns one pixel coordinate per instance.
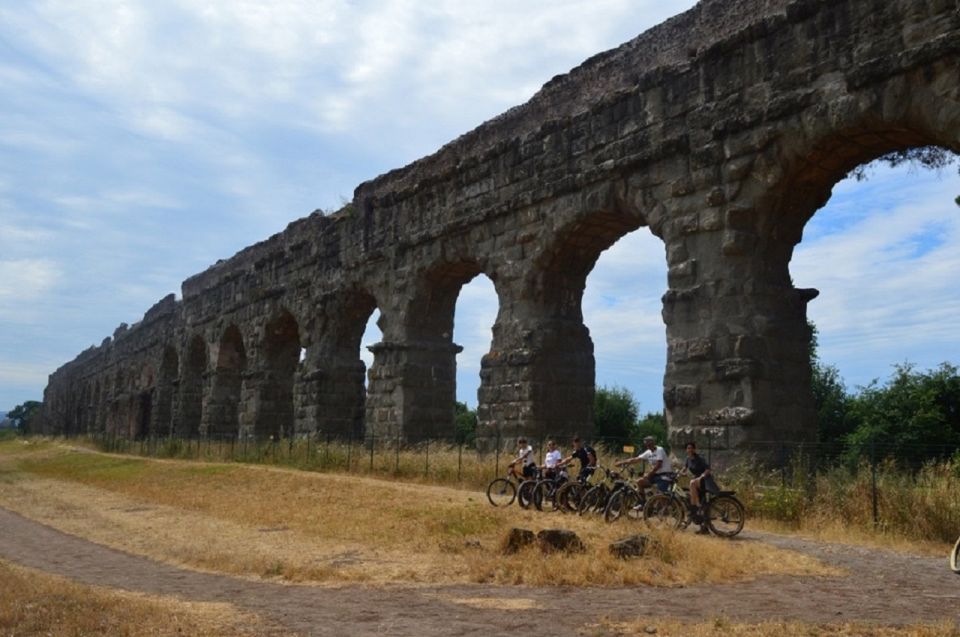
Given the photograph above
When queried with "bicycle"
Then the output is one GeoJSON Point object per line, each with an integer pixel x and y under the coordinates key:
{"type": "Point", "coordinates": [503, 491]}
{"type": "Point", "coordinates": [723, 514]}
{"type": "Point", "coordinates": [630, 500]}
{"type": "Point", "coordinates": [526, 490]}
{"type": "Point", "coordinates": [566, 498]}
{"type": "Point", "coordinates": [955, 558]}
{"type": "Point", "coordinates": [545, 492]}
{"type": "Point", "coordinates": [595, 499]}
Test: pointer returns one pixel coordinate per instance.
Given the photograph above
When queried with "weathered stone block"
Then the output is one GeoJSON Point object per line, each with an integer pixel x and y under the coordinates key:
{"type": "Point", "coordinates": [517, 539]}
{"type": "Point", "coordinates": [632, 546]}
{"type": "Point", "coordinates": [551, 540]}
{"type": "Point", "coordinates": [681, 396]}
{"type": "Point", "coordinates": [727, 417]}
{"type": "Point", "coordinates": [738, 243]}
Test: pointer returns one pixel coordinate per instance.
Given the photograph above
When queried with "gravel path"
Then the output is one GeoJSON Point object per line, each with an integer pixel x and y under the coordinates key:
{"type": "Point", "coordinates": [882, 586]}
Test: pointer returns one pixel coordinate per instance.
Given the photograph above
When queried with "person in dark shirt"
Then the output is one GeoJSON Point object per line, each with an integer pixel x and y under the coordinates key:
{"type": "Point", "coordinates": [701, 478]}
{"type": "Point", "coordinates": [587, 457]}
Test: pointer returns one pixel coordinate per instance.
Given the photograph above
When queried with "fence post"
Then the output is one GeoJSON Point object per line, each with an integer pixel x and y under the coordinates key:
{"type": "Point", "coordinates": [460, 461]}
{"type": "Point", "coordinates": [349, 449]}
{"type": "Point", "coordinates": [783, 464]}
{"type": "Point", "coordinates": [373, 441]}
{"type": "Point", "coordinates": [396, 466]}
{"type": "Point", "coordinates": [873, 479]}
{"type": "Point", "coordinates": [426, 468]}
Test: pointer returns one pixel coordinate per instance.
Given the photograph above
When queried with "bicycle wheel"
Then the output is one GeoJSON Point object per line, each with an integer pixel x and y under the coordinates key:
{"type": "Point", "coordinates": [955, 558]}
{"type": "Point", "coordinates": [611, 512]}
{"type": "Point", "coordinates": [568, 496]}
{"type": "Point", "coordinates": [501, 492]}
{"type": "Point", "coordinates": [525, 493]}
{"type": "Point", "coordinates": [725, 516]}
{"type": "Point", "coordinates": [593, 500]}
{"type": "Point", "coordinates": [633, 504]}
{"type": "Point", "coordinates": [663, 511]}
{"type": "Point", "coordinates": [544, 496]}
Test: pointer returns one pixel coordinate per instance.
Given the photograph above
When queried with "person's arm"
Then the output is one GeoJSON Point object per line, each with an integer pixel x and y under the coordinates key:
{"type": "Point", "coordinates": [592, 460]}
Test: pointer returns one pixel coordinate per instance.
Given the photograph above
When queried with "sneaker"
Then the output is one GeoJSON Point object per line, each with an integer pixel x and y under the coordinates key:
{"type": "Point", "coordinates": [703, 531]}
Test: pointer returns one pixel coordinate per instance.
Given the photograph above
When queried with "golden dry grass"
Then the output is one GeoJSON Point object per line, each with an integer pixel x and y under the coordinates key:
{"type": "Point", "coordinates": [33, 603]}
{"type": "Point", "coordinates": [301, 526]}
{"type": "Point", "coordinates": [722, 627]}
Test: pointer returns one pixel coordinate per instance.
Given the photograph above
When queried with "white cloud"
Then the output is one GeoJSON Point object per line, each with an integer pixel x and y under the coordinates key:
{"type": "Point", "coordinates": [23, 281]}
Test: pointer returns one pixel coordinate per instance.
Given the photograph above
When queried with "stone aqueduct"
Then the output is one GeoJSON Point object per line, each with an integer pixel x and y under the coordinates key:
{"type": "Point", "coordinates": [723, 130]}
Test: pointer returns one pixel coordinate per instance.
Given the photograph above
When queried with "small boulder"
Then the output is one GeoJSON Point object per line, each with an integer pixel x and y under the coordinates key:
{"type": "Point", "coordinates": [559, 540]}
{"type": "Point", "coordinates": [516, 539]}
{"type": "Point", "coordinates": [633, 546]}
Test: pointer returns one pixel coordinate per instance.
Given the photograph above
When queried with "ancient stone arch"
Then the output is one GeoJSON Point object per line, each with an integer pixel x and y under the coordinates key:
{"type": "Point", "coordinates": [223, 413]}
{"type": "Point", "coordinates": [192, 387]}
{"type": "Point", "coordinates": [722, 130]}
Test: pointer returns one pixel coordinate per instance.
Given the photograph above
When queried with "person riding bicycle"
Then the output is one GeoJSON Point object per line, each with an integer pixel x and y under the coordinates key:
{"type": "Point", "coordinates": [551, 460]}
{"type": "Point", "coordinates": [701, 481]}
{"type": "Point", "coordinates": [587, 457]}
{"type": "Point", "coordinates": [661, 469]}
{"type": "Point", "coordinates": [526, 460]}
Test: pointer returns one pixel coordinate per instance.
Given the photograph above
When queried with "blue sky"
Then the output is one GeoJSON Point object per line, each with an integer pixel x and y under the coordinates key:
{"type": "Point", "coordinates": [142, 141]}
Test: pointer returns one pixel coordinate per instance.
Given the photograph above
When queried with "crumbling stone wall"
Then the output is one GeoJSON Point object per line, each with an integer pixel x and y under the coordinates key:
{"type": "Point", "coordinates": [722, 130]}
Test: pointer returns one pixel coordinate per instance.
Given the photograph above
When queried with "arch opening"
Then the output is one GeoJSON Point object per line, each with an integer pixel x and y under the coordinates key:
{"type": "Point", "coordinates": [475, 314]}
{"type": "Point", "coordinates": [191, 388]}
{"type": "Point", "coordinates": [623, 310]}
{"type": "Point", "coordinates": [881, 244]}
{"type": "Point", "coordinates": [425, 363]}
{"type": "Point", "coordinates": [281, 357]}
{"type": "Point", "coordinates": [226, 393]}
{"type": "Point", "coordinates": [166, 389]}
{"type": "Point", "coordinates": [558, 382]}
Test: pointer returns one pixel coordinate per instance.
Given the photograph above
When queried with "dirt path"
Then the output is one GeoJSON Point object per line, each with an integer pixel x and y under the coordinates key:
{"type": "Point", "coordinates": [885, 587]}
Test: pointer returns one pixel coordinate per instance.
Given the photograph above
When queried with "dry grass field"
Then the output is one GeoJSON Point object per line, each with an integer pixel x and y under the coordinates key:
{"type": "Point", "coordinates": [34, 604]}
{"type": "Point", "coordinates": [327, 528]}
{"type": "Point", "coordinates": [721, 627]}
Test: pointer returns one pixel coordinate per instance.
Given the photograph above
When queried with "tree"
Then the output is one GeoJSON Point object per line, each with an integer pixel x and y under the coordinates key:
{"type": "Point", "coordinates": [830, 396]}
{"type": "Point", "coordinates": [615, 413]}
{"type": "Point", "coordinates": [832, 403]}
{"type": "Point", "coordinates": [653, 425]}
{"type": "Point", "coordinates": [464, 424]}
{"type": "Point", "coordinates": [914, 417]}
{"type": "Point", "coordinates": [23, 415]}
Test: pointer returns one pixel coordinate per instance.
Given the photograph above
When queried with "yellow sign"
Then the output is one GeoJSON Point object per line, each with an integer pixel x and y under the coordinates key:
{"type": "Point", "coordinates": [628, 449]}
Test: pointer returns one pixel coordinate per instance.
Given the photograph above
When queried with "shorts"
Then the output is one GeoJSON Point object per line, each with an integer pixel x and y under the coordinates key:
{"type": "Point", "coordinates": [529, 470]}
{"type": "Point", "coordinates": [585, 473]}
{"type": "Point", "coordinates": [662, 482]}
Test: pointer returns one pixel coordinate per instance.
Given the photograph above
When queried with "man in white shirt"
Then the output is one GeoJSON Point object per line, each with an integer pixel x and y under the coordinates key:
{"type": "Point", "coordinates": [661, 468]}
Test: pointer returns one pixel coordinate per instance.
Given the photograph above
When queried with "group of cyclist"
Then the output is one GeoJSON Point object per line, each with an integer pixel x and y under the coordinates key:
{"type": "Point", "coordinates": [659, 474]}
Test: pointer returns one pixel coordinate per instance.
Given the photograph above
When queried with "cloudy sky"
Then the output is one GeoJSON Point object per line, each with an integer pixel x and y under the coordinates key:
{"type": "Point", "coordinates": [142, 141]}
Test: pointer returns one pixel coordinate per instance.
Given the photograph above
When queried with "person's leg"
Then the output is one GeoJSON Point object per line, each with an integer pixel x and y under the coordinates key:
{"type": "Point", "coordinates": [695, 493]}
